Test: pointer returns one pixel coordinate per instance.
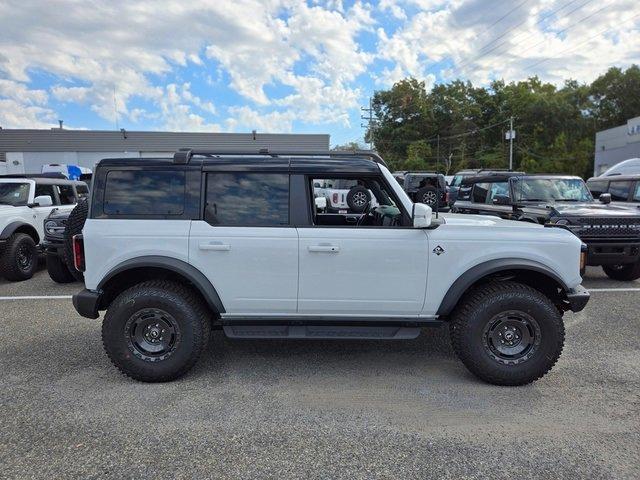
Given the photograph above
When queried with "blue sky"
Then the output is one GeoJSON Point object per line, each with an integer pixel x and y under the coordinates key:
{"type": "Point", "coordinates": [282, 65]}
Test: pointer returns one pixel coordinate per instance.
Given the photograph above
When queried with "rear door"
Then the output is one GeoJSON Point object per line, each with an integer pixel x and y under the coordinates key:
{"type": "Point", "coordinates": [244, 243]}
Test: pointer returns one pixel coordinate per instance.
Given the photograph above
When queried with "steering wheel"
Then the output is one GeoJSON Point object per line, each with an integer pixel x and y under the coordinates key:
{"type": "Point", "coordinates": [365, 212]}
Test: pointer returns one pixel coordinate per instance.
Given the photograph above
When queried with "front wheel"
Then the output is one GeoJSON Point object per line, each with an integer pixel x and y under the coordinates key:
{"type": "Point", "coordinates": [507, 333]}
{"type": "Point", "coordinates": [156, 331]}
{"type": "Point", "coordinates": [627, 272]}
{"type": "Point", "coordinates": [19, 259]}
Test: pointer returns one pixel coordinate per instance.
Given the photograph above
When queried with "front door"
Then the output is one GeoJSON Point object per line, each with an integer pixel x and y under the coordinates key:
{"type": "Point", "coordinates": [365, 264]}
{"type": "Point", "coordinates": [245, 245]}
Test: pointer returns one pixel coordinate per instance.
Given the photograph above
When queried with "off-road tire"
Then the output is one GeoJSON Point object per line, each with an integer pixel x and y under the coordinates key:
{"type": "Point", "coordinates": [10, 266]}
{"type": "Point", "coordinates": [477, 311]}
{"type": "Point", "coordinates": [58, 270]}
{"type": "Point", "coordinates": [627, 272]}
{"type": "Point", "coordinates": [178, 301]}
{"type": "Point", "coordinates": [354, 197]}
{"type": "Point", "coordinates": [430, 192]}
{"type": "Point", "coordinates": [75, 224]}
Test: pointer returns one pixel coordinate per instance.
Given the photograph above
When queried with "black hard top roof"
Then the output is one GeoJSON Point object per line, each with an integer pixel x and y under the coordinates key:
{"type": "Point", "coordinates": [313, 162]}
{"type": "Point", "coordinates": [505, 176]}
{"type": "Point", "coordinates": [608, 178]}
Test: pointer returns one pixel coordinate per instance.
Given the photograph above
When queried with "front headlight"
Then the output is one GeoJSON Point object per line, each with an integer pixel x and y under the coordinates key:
{"type": "Point", "coordinates": [53, 228]}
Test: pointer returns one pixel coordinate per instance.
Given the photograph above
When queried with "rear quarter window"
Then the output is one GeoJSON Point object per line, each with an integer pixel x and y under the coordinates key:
{"type": "Point", "coordinates": [144, 192]}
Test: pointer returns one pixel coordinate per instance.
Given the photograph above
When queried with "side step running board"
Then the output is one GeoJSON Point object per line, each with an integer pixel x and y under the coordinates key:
{"type": "Point", "coordinates": [322, 332]}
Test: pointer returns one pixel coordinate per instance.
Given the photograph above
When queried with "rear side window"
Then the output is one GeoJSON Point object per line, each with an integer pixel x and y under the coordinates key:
{"type": "Point", "coordinates": [144, 192]}
{"type": "Point", "coordinates": [620, 191]}
{"type": "Point", "coordinates": [247, 199]}
{"type": "Point", "coordinates": [499, 188]}
{"type": "Point", "coordinates": [636, 194]}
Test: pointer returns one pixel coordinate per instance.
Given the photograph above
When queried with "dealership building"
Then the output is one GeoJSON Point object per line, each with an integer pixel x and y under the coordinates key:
{"type": "Point", "coordinates": [27, 151]}
{"type": "Point", "coordinates": [617, 144]}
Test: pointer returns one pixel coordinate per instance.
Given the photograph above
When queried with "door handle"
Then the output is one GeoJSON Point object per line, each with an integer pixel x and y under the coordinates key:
{"type": "Point", "coordinates": [216, 246]}
{"type": "Point", "coordinates": [324, 248]}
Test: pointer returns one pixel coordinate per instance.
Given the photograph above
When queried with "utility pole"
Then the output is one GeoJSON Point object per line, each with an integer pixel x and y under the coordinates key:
{"type": "Point", "coordinates": [368, 116]}
{"type": "Point", "coordinates": [510, 137]}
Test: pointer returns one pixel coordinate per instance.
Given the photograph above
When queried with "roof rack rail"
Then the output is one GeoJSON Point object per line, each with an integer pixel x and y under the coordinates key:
{"type": "Point", "coordinates": [184, 155]}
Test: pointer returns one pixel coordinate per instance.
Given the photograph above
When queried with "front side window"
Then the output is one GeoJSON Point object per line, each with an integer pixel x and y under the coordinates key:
{"type": "Point", "coordinates": [551, 190]}
{"type": "Point", "coordinates": [354, 202]}
{"type": "Point", "coordinates": [498, 188]}
{"type": "Point", "coordinates": [619, 191]}
{"type": "Point", "coordinates": [636, 194]}
{"type": "Point", "coordinates": [82, 191]}
{"type": "Point", "coordinates": [479, 192]}
{"type": "Point", "coordinates": [247, 199]}
{"type": "Point", "coordinates": [597, 187]}
{"type": "Point", "coordinates": [45, 190]}
{"type": "Point", "coordinates": [16, 194]}
{"type": "Point", "coordinates": [144, 192]}
{"type": "Point", "coordinates": [67, 197]}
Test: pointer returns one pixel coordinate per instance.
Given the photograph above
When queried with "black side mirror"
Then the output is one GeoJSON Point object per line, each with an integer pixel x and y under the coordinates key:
{"type": "Point", "coordinates": [605, 198]}
{"type": "Point", "coordinates": [501, 200]}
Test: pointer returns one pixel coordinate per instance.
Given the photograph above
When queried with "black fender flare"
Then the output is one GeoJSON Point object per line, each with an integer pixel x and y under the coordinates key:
{"type": "Point", "coordinates": [471, 276]}
{"type": "Point", "coordinates": [13, 226]}
{"type": "Point", "coordinates": [191, 273]}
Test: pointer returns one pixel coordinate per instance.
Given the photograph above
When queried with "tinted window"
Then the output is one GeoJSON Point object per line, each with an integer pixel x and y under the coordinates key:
{"type": "Point", "coordinates": [498, 188]}
{"type": "Point", "coordinates": [82, 191]}
{"type": "Point", "coordinates": [67, 197]}
{"type": "Point", "coordinates": [479, 193]}
{"type": "Point", "coordinates": [45, 190]}
{"type": "Point", "coordinates": [597, 187]}
{"type": "Point", "coordinates": [636, 194]}
{"type": "Point", "coordinates": [619, 191]}
{"type": "Point", "coordinates": [247, 199]}
{"type": "Point", "coordinates": [144, 192]}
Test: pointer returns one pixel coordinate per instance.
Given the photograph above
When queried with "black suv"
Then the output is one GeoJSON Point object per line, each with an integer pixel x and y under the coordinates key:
{"type": "Point", "coordinates": [621, 188]}
{"type": "Point", "coordinates": [611, 232]}
{"type": "Point", "coordinates": [429, 188]}
{"type": "Point", "coordinates": [457, 182]}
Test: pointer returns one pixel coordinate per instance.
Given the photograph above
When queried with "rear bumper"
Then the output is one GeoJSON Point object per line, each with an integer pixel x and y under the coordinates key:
{"type": "Point", "coordinates": [578, 298]}
{"type": "Point", "coordinates": [86, 303]}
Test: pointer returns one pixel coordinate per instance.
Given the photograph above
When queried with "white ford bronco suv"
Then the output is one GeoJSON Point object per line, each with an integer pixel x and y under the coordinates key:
{"type": "Point", "coordinates": [25, 203]}
{"type": "Point", "coordinates": [173, 248]}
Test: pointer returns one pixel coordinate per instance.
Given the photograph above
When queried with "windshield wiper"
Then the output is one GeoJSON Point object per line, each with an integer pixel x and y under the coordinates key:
{"type": "Point", "coordinates": [569, 200]}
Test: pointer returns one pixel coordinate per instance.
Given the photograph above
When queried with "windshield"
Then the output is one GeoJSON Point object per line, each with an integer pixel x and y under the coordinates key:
{"type": "Point", "coordinates": [15, 194]}
{"type": "Point", "coordinates": [551, 190]}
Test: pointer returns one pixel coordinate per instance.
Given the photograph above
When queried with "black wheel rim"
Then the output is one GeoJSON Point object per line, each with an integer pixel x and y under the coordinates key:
{"type": "Point", "coordinates": [24, 257]}
{"type": "Point", "coordinates": [152, 334]}
{"type": "Point", "coordinates": [511, 337]}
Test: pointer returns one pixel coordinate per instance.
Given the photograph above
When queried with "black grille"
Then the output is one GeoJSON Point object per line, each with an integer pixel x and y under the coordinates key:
{"type": "Point", "coordinates": [608, 227]}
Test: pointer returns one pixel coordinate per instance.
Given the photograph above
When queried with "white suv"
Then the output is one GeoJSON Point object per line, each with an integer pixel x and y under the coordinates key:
{"type": "Point", "coordinates": [173, 248]}
{"type": "Point", "coordinates": [25, 203]}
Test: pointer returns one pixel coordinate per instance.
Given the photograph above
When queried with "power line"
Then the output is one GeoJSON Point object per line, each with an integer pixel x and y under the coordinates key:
{"type": "Point", "coordinates": [581, 43]}
{"type": "Point", "coordinates": [504, 16]}
{"type": "Point", "coordinates": [483, 54]}
{"type": "Point", "coordinates": [565, 29]}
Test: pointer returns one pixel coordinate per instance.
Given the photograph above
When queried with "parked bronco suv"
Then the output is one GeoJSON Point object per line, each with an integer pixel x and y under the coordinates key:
{"type": "Point", "coordinates": [25, 202]}
{"type": "Point", "coordinates": [173, 248]}
{"type": "Point", "coordinates": [611, 232]}
{"type": "Point", "coordinates": [429, 188]}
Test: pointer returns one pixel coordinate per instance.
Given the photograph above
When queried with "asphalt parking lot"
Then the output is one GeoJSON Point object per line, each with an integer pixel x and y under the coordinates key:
{"type": "Point", "coordinates": [291, 409]}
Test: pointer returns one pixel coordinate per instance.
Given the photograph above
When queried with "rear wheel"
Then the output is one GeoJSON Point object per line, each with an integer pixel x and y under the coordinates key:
{"type": "Point", "coordinates": [19, 259]}
{"type": "Point", "coordinates": [58, 270]}
{"type": "Point", "coordinates": [156, 331]}
{"type": "Point", "coordinates": [507, 333]}
{"type": "Point", "coordinates": [626, 272]}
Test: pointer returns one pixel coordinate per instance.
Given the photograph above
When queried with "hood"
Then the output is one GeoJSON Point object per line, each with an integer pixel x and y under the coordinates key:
{"type": "Point", "coordinates": [485, 221]}
{"type": "Point", "coordinates": [7, 209]}
{"type": "Point", "coordinates": [58, 214]}
{"type": "Point", "coordinates": [595, 208]}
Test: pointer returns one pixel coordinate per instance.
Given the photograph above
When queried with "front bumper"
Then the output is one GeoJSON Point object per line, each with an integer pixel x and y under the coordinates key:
{"type": "Point", "coordinates": [612, 253]}
{"type": "Point", "coordinates": [577, 298]}
{"type": "Point", "coordinates": [52, 248]}
{"type": "Point", "coordinates": [86, 303]}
